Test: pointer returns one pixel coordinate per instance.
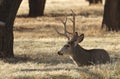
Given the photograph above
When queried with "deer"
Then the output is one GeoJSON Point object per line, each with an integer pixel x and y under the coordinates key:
{"type": "Point", "coordinates": [80, 55]}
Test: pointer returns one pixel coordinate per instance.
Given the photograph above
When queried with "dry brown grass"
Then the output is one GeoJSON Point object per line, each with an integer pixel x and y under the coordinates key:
{"type": "Point", "coordinates": [36, 44]}
{"type": "Point", "coordinates": [86, 20]}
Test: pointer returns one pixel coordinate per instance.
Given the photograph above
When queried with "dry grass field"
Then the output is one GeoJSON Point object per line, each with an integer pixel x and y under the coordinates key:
{"type": "Point", "coordinates": [36, 44]}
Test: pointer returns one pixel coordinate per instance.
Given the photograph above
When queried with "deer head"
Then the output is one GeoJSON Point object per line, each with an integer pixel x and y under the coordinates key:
{"type": "Point", "coordinates": [68, 48]}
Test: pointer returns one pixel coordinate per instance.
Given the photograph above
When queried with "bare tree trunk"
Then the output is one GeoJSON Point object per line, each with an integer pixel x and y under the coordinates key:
{"type": "Point", "coordinates": [36, 7]}
{"type": "Point", "coordinates": [111, 17]}
{"type": "Point", "coordinates": [94, 1]}
{"type": "Point", "coordinates": [8, 12]}
{"type": "Point", "coordinates": [2, 28]}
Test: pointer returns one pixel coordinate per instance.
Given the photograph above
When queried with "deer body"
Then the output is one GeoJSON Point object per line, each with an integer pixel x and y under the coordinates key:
{"type": "Point", "coordinates": [89, 57]}
{"type": "Point", "coordinates": [80, 55]}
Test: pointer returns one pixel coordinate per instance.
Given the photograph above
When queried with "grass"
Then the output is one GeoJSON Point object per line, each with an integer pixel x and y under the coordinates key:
{"type": "Point", "coordinates": [36, 44]}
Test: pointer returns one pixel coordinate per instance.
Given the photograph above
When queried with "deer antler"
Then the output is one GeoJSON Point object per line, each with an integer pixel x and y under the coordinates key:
{"type": "Point", "coordinates": [65, 28]}
{"type": "Point", "coordinates": [74, 34]}
{"type": "Point", "coordinates": [73, 21]}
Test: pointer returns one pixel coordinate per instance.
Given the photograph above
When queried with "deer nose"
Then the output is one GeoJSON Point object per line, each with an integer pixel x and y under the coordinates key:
{"type": "Point", "coordinates": [59, 53]}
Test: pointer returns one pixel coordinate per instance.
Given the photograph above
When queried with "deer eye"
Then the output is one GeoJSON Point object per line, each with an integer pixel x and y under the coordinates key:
{"type": "Point", "coordinates": [67, 46]}
{"type": "Point", "coordinates": [71, 42]}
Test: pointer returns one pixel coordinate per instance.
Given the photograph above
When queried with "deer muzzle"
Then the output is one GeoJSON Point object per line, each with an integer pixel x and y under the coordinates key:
{"type": "Point", "coordinates": [59, 53]}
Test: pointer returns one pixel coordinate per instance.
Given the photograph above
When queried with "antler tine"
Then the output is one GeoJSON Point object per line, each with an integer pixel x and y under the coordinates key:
{"type": "Point", "coordinates": [64, 23]}
{"type": "Point", "coordinates": [65, 28]}
{"type": "Point", "coordinates": [62, 34]}
{"type": "Point", "coordinates": [73, 21]}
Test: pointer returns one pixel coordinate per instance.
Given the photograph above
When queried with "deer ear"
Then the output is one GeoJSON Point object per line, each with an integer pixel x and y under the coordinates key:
{"type": "Point", "coordinates": [79, 39]}
{"type": "Point", "coordinates": [75, 34]}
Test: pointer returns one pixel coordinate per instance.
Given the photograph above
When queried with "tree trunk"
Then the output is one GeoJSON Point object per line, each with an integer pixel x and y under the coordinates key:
{"type": "Point", "coordinates": [94, 1]}
{"type": "Point", "coordinates": [8, 12]}
{"type": "Point", "coordinates": [111, 17]}
{"type": "Point", "coordinates": [36, 7]}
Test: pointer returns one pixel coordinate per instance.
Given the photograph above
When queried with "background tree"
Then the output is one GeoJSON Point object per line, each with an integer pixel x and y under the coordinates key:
{"type": "Point", "coordinates": [36, 7]}
{"type": "Point", "coordinates": [94, 1]}
{"type": "Point", "coordinates": [111, 17]}
{"type": "Point", "coordinates": [8, 10]}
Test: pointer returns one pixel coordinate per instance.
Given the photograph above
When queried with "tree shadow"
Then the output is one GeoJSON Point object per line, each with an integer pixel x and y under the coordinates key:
{"type": "Point", "coordinates": [24, 29]}
{"type": "Point", "coordinates": [23, 16]}
{"type": "Point", "coordinates": [78, 69]}
{"type": "Point", "coordinates": [36, 29]}
{"type": "Point", "coordinates": [45, 58]}
{"type": "Point", "coordinates": [92, 13]}
{"type": "Point", "coordinates": [85, 13]}
{"type": "Point", "coordinates": [115, 57]}
{"type": "Point", "coordinates": [53, 60]}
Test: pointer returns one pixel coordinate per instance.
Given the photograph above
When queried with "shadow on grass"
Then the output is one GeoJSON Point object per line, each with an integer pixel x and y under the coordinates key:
{"type": "Point", "coordinates": [45, 58]}
{"type": "Point", "coordinates": [91, 74]}
{"type": "Point", "coordinates": [92, 13]}
{"type": "Point", "coordinates": [23, 16]}
{"type": "Point", "coordinates": [53, 60]}
{"type": "Point", "coordinates": [115, 57]}
{"type": "Point", "coordinates": [85, 13]}
{"type": "Point", "coordinates": [24, 29]}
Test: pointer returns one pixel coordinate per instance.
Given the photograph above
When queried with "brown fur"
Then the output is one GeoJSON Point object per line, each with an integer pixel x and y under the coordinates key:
{"type": "Point", "coordinates": [89, 57]}
{"type": "Point", "coordinates": [82, 56]}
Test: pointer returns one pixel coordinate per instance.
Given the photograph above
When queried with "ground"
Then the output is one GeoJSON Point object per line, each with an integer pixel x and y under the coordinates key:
{"type": "Point", "coordinates": [36, 44]}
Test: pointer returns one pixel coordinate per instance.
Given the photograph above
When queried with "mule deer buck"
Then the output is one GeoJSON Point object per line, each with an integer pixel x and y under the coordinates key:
{"type": "Point", "coordinates": [79, 55]}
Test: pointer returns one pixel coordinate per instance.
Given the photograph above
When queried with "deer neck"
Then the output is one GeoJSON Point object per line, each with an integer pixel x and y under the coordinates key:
{"type": "Point", "coordinates": [80, 55]}
{"type": "Point", "coordinates": [79, 49]}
